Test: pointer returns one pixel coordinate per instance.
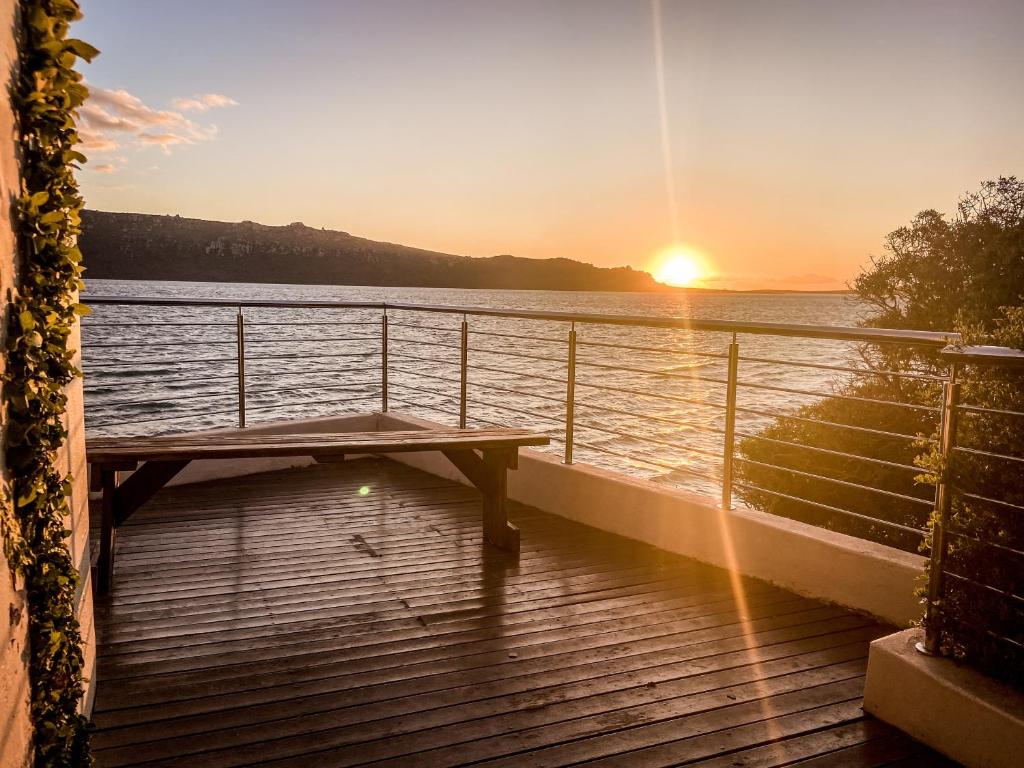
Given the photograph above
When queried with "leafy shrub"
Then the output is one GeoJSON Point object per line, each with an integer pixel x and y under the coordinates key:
{"type": "Point", "coordinates": [964, 274]}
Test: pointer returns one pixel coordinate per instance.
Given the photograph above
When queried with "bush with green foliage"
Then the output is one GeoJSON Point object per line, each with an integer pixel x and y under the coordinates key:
{"type": "Point", "coordinates": [964, 273]}
{"type": "Point", "coordinates": [40, 364]}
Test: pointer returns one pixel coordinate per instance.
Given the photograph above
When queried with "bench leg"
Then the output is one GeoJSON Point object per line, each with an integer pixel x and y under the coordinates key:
{"type": "Point", "coordinates": [498, 531]}
{"type": "Point", "coordinates": [108, 531]}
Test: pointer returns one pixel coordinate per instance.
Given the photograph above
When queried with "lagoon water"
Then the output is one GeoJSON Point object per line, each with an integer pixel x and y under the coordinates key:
{"type": "Point", "coordinates": [656, 414]}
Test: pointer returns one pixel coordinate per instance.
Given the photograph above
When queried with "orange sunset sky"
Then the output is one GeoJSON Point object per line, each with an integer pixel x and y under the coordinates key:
{"type": "Point", "coordinates": [777, 140]}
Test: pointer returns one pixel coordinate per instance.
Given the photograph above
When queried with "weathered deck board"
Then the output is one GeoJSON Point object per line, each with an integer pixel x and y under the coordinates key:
{"type": "Point", "coordinates": [286, 620]}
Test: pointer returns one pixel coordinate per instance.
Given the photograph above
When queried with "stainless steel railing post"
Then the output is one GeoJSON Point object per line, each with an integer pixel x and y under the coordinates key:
{"type": "Point", "coordinates": [570, 394]}
{"type": "Point", "coordinates": [464, 365]}
{"type": "Point", "coordinates": [384, 362]}
{"type": "Point", "coordinates": [940, 518]}
{"type": "Point", "coordinates": [730, 423]}
{"type": "Point", "coordinates": [240, 339]}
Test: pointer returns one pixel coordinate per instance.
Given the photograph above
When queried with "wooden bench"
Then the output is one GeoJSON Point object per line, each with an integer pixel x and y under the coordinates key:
{"type": "Point", "coordinates": [162, 458]}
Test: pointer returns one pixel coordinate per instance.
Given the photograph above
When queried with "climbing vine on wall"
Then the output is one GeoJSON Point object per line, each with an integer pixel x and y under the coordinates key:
{"type": "Point", "coordinates": [40, 364]}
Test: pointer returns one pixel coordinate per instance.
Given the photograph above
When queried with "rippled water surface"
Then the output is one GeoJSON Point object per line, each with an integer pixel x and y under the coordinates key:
{"type": "Point", "coordinates": [648, 401]}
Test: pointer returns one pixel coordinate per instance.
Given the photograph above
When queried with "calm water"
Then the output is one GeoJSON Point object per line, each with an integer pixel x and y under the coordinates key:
{"type": "Point", "coordinates": [153, 370]}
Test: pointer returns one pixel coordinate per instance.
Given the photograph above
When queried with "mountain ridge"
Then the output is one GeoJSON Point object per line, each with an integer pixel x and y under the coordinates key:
{"type": "Point", "coordinates": [144, 246]}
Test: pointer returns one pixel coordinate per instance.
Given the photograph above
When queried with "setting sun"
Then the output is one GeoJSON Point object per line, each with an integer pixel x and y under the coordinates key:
{"type": "Point", "coordinates": [679, 266]}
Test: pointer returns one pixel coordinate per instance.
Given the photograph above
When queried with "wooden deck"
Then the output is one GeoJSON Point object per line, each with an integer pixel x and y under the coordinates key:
{"type": "Point", "coordinates": [346, 615]}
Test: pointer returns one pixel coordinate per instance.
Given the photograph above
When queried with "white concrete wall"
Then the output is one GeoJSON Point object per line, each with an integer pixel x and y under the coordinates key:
{"type": "Point", "coordinates": [808, 560]}
{"type": "Point", "coordinates": [950, 707]}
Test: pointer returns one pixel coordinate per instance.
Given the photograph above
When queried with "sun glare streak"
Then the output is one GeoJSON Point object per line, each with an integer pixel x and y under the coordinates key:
{"type": "Point", "coordinates": [666, 139]}
{"type": "Point", "coordinates": [746, 626]}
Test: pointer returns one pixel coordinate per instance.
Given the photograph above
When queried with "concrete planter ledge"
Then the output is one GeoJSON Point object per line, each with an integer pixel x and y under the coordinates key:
{"type": "Point", "coordinates": [951, 708]}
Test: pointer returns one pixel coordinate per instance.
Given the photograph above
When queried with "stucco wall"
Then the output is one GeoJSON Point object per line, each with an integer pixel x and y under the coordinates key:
{"type": "Point", "coordinates": [15, 729]}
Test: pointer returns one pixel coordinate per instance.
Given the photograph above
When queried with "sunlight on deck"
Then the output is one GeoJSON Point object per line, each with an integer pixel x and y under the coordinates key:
{"type": "Point", "coordinates": [291, 619]}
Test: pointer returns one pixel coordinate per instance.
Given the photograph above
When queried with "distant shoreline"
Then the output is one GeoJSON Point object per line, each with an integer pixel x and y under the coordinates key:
{"type": "Point", "coordinates": [662, 290]}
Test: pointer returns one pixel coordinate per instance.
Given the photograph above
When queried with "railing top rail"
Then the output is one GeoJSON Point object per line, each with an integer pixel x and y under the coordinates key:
{"type": "Point", "coordinates": [985, 355]}
{"type": "Point", "coordinates": [843, 333]}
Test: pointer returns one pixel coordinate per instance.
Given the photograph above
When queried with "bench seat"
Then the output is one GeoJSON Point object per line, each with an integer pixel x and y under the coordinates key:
{"type": "Point", "coordinates": [483, 455]}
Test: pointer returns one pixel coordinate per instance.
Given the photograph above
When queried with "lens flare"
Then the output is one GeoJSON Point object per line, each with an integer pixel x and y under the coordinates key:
{"type": "Point", "coordinates": [679, 266]}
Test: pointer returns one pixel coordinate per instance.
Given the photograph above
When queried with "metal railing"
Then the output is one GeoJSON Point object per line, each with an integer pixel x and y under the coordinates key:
{"type": "Point", "coordinates": [661, 396]}
{"type": "Point", "coordinates": [983, 558]}
{"type": "Point", "coordinates": [689, 402]}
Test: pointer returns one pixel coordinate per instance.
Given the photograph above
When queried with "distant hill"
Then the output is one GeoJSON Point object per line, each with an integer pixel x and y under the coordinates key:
{"type": "Point", "coordinates": [135, 246]}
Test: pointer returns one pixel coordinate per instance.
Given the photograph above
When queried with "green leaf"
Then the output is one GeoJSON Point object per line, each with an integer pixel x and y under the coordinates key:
{"type": "Point", "coordinates": [82, 49]}
{"type": "Point", "coordinates": [81, 309]}
{"type": "Point", "coordinates": [27, 320]}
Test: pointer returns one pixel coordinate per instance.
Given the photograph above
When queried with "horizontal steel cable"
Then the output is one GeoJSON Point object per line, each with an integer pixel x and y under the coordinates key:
{"type": "Point", "coordinates": [839, 425]}
{"type": "Point", "coordinates": [974, 409]}
{"type": "Point", "coordinates": [120, 345]}
{"type": "Point", "coordinates": [641, 393]}
{"type": "Point", "coordinates": [829, 508]}
{"type": "Point", "coordinates": [435, 409]}
{"type": "Point", "coordinates": [393, 353]}
{"type": "Point", "coordinates": [658, 350]}
{"type": "Point", "coordinates": [452, 329]}
{"type": "Point", "coordinates": [170, 398]}
{"type": "Point", "coordinates": [846, 369]}
{"type": "Point", "coordinates": [518, 336]}
{"type": "Point", "coordinates": [317, 387]}
{"type": "Point", "coordinates": [158, 363]}
{"type": "Point", "coordinates": [478, 367]}
{"type": "Point", "coordinates": [318, 356]}
{"type": "Point", "coordinates": [989, 500]}
{"type": "Point", "coordinates": [425, 375]}
{"type": "Point", "coordinates": [91, 384]}
{"type": "Point", "coordinates": [304, 323]}
{"type": "Point", "coordinates": [283, 340]}
{"type": "Point", "coordinates": [668, 374]}
{"type": "Point", "coordinates": [648, 439]}
{"type": "Point", "coordinates": [516, 409]}
{"type": "Point", "coordinates": [853, 398]}
{"type": "Point", "coordinates": [841, 454]}
{"type": "Point", "coordinates": [301, 403]}
{"type": "Point", "coordinates": [87, 324]}
{"type": "Point", "coordinates": [846, 483]}
{"type": "Point", "coordinates": [177, 416]}
{"type": "Point", "coordinates": [986, 587]}
{"type": "Point", "coordinates": [988, 454]}
{"type": "Point", "coordinates": [403, 385]}
{"type": "Point", "coordinates": [506, 353]}
{"type": "Point", "coordinates": [401, 339]}
{"type": "Point", "coordinates": [652, 462]}
{"type": "Point", "coordinates": [673, 422]}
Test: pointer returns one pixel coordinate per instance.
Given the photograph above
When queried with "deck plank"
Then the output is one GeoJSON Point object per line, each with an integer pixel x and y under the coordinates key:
{"type": "Point", "coordinates": [286, 620]}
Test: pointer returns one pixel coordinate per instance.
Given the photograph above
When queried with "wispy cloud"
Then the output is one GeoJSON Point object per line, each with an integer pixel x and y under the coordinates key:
{"type": "Point", "coordinates": [104, 168]}
{"type": "Point", "coordinates": [115, 118]}
{"type": "Point", "coordinates": [94, 142]}
{"type": "Point", "coordinates": [163, 139]}
{"type": "Point", "coordinates": [203, 102]}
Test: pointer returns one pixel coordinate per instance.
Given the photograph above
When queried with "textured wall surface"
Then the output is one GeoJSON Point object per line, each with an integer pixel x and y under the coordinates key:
{"type": "Point", "coordinates": [15, 729]}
